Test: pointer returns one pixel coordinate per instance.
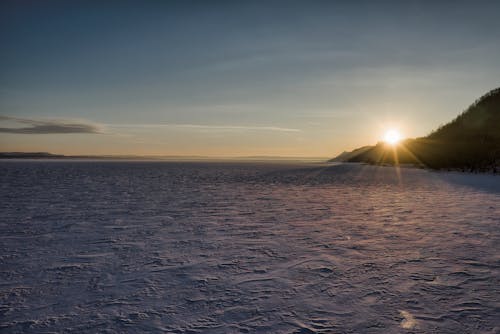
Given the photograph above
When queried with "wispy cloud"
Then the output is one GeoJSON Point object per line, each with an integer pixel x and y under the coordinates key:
{"type": "Point", "coordinates": [206, 127]}
{"type": "Point", "coordinates": [39, 126]}
{"type": "Point", "coordinates": [18, 125]}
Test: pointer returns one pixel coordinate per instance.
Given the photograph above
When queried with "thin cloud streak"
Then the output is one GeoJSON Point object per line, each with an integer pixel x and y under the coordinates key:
{"type": "Point", "coordinates": [206, 127]}
{"type": "Point", "coordinates": [62, 126]}
{"type": "Point", "coordinates": [37, 126]}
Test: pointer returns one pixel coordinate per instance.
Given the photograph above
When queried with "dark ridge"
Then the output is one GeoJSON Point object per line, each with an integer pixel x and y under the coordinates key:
{"type": "Point", "coordinates": [470, 142]}
{"type": "Point", "coordinates": [344, 156]}
{"type": "Point", "coordinates": [29, 155]}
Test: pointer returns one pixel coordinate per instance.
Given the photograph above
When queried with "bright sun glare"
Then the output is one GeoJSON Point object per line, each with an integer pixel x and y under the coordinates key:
{"type": "Point", "coordinates": [392, 136]}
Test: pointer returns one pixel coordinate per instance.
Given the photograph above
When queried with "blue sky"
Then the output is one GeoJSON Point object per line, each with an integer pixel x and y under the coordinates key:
{"type": "Point", "coordinates": [225, 78]}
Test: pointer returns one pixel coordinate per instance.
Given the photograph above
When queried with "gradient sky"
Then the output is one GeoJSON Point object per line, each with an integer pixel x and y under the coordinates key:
{"type": "Point", "coordinates": [216, 78]}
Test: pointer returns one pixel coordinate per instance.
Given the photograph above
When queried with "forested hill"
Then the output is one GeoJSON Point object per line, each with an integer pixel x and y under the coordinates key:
{"type": "Point", "coordinates": [470, 142]}
{"type": "Point", "coordinates": [478, 123]}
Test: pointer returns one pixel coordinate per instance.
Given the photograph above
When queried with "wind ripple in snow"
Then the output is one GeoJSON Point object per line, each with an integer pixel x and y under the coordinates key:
{"type": "Point", "coordinates": [129, 247]}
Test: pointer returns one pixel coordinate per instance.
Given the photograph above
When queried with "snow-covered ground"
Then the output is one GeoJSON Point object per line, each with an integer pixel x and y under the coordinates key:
{"type": "Point", "coordinates": [131, 247]}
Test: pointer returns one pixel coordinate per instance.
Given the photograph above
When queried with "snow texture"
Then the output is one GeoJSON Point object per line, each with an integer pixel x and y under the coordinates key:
{"type": "Point", "coordinates": [135, 247]}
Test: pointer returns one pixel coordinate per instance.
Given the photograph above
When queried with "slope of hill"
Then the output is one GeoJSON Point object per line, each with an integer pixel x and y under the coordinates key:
{"type": "Point", "coordinates": [470, 142]}
{"type": "Point", "coordinates": [344, 156]}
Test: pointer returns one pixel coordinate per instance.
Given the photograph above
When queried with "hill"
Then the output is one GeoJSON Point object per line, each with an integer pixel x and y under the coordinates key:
{"type": "Point", "coordinates": [29, 155]}
{"type": "Point", "coordinates": [345, 156]}
{"type": "Point", "coordinates": [470, 142]}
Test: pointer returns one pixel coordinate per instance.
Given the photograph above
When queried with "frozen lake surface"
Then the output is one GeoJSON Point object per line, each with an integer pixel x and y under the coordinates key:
{"type": "Point", "coordinates": [131, 247]}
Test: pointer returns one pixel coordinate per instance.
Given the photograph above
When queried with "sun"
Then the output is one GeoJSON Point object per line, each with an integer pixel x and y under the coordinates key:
{"type": "Point", "coordinates": [392, 136]}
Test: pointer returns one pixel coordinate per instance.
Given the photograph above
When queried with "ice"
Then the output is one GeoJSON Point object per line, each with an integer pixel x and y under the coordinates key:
{"type": "Point", "coordinates": [131, 247]}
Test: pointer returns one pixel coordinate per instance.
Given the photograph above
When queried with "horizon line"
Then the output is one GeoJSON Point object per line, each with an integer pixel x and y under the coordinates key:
{"type": "Point", "coordinates": [159, 156]}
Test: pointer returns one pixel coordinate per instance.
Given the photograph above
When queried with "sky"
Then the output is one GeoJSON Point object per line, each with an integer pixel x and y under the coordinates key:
{"type": "Point", "coordinates": [237, 78]}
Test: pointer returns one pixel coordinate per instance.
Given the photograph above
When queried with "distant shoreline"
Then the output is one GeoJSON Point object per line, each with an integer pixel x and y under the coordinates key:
{"type": "Point", "coordinates": [50, 156]}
